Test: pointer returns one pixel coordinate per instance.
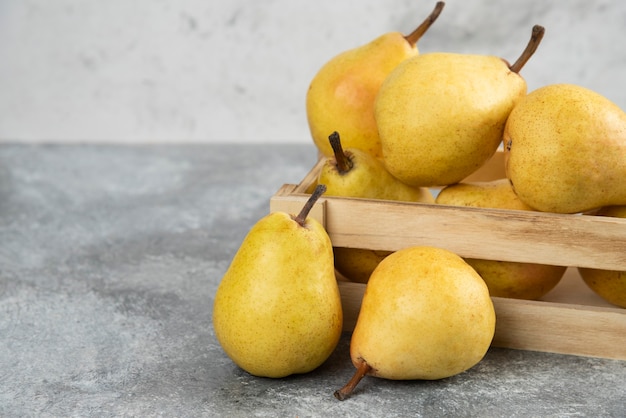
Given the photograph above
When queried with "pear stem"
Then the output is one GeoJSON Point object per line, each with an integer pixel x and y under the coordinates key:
{"type": "Point", "coordinates": [344, 164]}
{"type": "Point", "coordinates": [360, 373]}
{"type": "Point", "coordinates": [415, 36]}
{"type": "Point", "coordinates": [319, 191]}
{"type": "Point", "coordinates": [531, 47]}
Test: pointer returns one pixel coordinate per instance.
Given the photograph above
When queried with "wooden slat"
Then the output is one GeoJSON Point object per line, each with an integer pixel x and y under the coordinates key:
{"type": "Point", "coordinates": [494, 234]}
{"type": "Point", "coordinates": [523, 236]}
{"type": "Point", "coordinates": [560, 328]}
{"type": "Point", "coordinates": [310, 180]}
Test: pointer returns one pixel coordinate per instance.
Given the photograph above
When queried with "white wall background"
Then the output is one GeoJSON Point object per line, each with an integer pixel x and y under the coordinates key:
{"type": "Point", "coordinates": [237, 70]}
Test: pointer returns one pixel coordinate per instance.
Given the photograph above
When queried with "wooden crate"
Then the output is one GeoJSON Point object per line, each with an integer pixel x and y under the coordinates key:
{"type": "Point", "coordinates": [571, 319]}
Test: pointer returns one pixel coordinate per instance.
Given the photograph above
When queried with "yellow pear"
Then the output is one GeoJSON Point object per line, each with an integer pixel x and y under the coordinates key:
{"type": "Point", "coordinates": [426, 314]}
{"type": "Point", "coordinates": [351, 172]}
{"type": "Point", "coordinates": [357, 264]}
{"type": "Point", "coordinates": [277, 310]}
{"type": "Point", "coordinates": [565, 150]}
{"type": "Point", "coordinates": [440, 115]}
{"type": "Point", "coordinates": [610, 285]}
{"type": "Point", "coordinates": [355, 173]}
{"type": "Point", "coordinates": [342, 93]}
{"type": "Point", "coordinates": [506, 279]}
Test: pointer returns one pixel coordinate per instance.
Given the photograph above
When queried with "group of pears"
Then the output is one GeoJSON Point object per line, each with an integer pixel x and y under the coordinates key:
{"type": "Point", "coordinates": [394, 124]}
{"type": "Point", "coordinates": [414, 126]}
{"type": "Point", "coordinates": [426, 313]}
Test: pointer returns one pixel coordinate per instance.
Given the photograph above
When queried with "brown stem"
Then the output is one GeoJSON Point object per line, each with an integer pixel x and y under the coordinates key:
{"type": "Point", "coordinates": [415, 36]}
{"type": "Point", "coordinates": [360, 373]}
{"type": "Point", "coordinates": [301, 218]}
{"type": "Point", "coordinates": [531, 47]}
{"type": "Point", "coordinates": [343, 162]}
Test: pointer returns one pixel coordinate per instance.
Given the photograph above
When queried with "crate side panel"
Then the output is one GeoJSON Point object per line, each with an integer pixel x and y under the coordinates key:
{"type": "Point", "coordinates": [506, 235]}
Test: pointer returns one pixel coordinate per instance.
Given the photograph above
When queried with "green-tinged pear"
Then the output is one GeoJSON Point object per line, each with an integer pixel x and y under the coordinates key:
{"type": "Point", "coordinates": [277, 310]}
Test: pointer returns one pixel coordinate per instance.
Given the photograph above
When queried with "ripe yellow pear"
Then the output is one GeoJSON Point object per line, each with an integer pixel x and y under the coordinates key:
{"type": "Point", "coordinates": [610, 285]}
{"type": "Point", "coordinates": [426, 314]}
{"type": "Point", "coordinates": [277, 310]}
{"type": "Point", "coordinates": [357, 264]}
{"type": "Point", "coordinates": [342, 93]}
{"type": "Point", "coordinates": [351, 172]}
{"type": "Point", "coordinates": [440, 115]}
{"type": "Point", "coordinates": [506, 279]}
{"type": "Point", "coordinates": [565, 150]}
{"type": "Point", "coordinates": [355, 173]}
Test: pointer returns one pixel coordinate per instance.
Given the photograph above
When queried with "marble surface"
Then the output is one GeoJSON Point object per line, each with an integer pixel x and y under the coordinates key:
{"type": "Point", "coordinates": [192, 70]}
{"type": "Point", "coordinates": [109, 260]}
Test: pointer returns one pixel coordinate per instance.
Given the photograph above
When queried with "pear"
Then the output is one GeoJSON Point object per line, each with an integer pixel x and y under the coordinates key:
{"type": "Point", "coordinates": [610, 285]}
{"type": "Point", "coordinates": [506, 279]}
{"type": "Point", "coordinates": [357, 264]}
{"type": "Point", "coordinates": [425, 314]}
{"type": "Point", "coordinates": [355, 173]}
{"type": "Point", "coordinates": [342, 93]}
{"type": "Point", "coordinates": [441, 115]}
{"type": "Point", "coordinates": [277, 310]}
{"type": "Point", "coordinates": [351, 172]}
{"type": "Point", "coordinates": [565, 150]}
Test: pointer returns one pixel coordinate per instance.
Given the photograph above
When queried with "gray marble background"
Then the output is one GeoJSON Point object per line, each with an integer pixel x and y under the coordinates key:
{"type": "Point", "coordinates": [109, 260]}
{"type": "Point", "coordinates": [237, 71]}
